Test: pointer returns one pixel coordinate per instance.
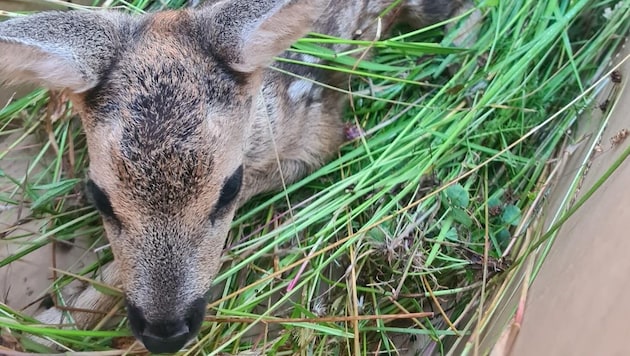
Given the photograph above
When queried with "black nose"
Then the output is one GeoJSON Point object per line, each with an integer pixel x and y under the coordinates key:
{"type": "Point", "coordinates": [166, 335]}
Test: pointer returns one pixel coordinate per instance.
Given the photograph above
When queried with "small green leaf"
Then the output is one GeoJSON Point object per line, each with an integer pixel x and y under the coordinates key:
{"type": "Point", "coordinates": [377, 234]}
{"type": "Point", "coordinates": [504, 236]}
{"type": "Point", "coordinates": [502, 239]}
{"type": "Point", "coordinates": [462, 217]}
{"type": "Point", "coordinates": [458, 195]}
{"type": "Point", "coordinates": [451, 234]}
{"type": "Point", "coordinates": [511, 215]}
{"type": "Point", "coordinates": [494, 202]}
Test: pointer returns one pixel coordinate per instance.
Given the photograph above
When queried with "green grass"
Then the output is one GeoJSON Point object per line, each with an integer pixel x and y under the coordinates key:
{"type": "Point", "coordinates": [404, 217]}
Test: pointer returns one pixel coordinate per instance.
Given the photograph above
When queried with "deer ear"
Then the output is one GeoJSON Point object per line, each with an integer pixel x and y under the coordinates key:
{"type": "Point", "coordinates": [247, 35]}
{"type": "Point", "coordinates": [59, 50]}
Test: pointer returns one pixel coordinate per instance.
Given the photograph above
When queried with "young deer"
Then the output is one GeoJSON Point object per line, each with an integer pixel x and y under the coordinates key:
{"type": "Point", "coordinates": [184, 123]}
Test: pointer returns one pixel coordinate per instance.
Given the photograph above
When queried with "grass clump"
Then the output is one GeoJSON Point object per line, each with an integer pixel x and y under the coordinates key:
{"type": "Point", "coordinates": [393, 245]}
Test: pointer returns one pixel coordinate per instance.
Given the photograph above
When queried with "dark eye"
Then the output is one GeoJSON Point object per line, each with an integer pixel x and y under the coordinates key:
{"type": "Point", "coordinates": [231, 188]}
{"type": "Point", "coordinates": [229, 191]}
{"type": "Point", "coordinates": [100, 199]}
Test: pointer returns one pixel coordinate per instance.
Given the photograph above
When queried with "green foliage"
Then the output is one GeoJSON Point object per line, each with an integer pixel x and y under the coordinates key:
{"type": "Point", "coordinates": [511, 215]}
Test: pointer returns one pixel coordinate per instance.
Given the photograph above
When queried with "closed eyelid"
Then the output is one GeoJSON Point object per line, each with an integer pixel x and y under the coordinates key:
{"type": "Point", "coordinates": [229, 192]}
{"type": "Point", "coordinates": [100, 199]}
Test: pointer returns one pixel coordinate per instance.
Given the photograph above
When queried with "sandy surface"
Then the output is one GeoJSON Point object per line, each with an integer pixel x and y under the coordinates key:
{"type": "Point", "coordinates": [24, 282]}
{"type": "Point", "coordinates": [577, 303]}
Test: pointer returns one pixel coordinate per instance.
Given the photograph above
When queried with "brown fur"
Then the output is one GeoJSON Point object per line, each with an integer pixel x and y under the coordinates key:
{"type": "Point", "coordinates": [173, 103]}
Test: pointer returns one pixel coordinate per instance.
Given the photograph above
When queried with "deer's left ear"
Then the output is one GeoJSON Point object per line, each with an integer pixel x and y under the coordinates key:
{"type": "Point", "coordinates": [247, 35]}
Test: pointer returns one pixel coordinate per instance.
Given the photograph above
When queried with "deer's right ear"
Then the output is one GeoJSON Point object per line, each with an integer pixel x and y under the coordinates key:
{"type": "Point", "coordinates": [59, 50]}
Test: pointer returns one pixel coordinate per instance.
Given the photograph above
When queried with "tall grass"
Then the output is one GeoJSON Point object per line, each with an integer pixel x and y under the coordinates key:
{"type": "Point", "coordinates": [415, 215]}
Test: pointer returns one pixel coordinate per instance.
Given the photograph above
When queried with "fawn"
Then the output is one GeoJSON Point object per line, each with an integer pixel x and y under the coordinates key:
{"type": "Point", "coordinates": [184, 123]}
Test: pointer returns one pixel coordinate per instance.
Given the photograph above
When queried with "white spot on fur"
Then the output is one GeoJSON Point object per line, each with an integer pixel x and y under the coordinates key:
{"type": "Point", "coordinates": [309, 59]}
{"type": "Point", "coordinates": [299, 89]}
